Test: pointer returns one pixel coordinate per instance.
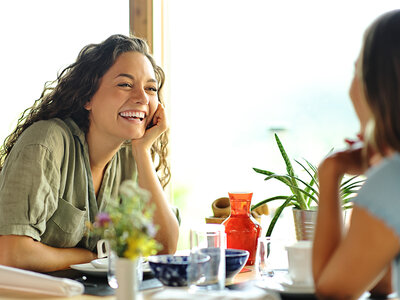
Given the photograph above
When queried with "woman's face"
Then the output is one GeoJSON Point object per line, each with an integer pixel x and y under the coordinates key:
{"type": "Point", "coordinates": [358, 98]}
{"type": "Point", "coordinates": [125, 101]}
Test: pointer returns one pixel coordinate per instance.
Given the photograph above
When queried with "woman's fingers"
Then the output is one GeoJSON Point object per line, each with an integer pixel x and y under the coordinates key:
{"type": "Point", "coordinates": [159, 122]}
{"type": "Point", "coordinates": [159, 125]}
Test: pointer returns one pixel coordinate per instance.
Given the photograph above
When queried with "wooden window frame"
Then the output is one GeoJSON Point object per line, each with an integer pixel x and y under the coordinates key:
{"type": "Point", "coordinates": [141, 20]}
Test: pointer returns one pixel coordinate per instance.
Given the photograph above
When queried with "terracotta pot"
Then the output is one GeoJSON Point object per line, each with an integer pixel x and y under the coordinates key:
{"type": "Point", "coordinates": [221, 207]}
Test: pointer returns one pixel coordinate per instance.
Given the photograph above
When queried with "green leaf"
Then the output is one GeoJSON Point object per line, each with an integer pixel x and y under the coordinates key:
{"type": "Point", "coordinates": [349, 193]}
{"type": "Point", "coordinates": [312, 182]}
{"type": "Point", "coordinates": [263, 171]}
{"type": "Point", "coordinates": [347, 207]}
{"type": "Point", "coordinates": [278, 212]}
{"type": "Point", "coordinates": [301, 191]}
{"type": "Point", "coordinates": [348, 180]}
{"type": "Point", "coordinates": [307, 185]}
{"type": "Point", "coordinates": [347, 200]}
{"type": "Point", "coordinates": [282, 178]}
{"type": "Point", "coordinates": [309, 173]}
{"type": "Point", "coordinates": [353, 185]}
{"type": "Point", "coordinates": [269, 200]}
{"type": "Point", "coordinates": [312, 167]}
{"type": "Point", "coordinates": [289, 169]}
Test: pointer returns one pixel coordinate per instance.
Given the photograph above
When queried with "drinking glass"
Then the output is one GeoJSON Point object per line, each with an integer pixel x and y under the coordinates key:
{"type": "Point", "coordinates": [270, 256]}
{"type": "Point", "coordinates": [210, 240]}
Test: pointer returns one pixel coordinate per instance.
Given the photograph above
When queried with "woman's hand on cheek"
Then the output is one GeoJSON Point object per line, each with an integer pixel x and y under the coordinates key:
{"type": "Point", "coordinates": [159, 124]}
{"type": "Point", "coordinates": [349, 161]}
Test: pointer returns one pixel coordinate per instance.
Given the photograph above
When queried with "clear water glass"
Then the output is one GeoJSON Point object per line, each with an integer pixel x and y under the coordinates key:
{"type": "Point", "coordinates": [208, 241]}
{"type": "Point", "coordinates": [270, 256]}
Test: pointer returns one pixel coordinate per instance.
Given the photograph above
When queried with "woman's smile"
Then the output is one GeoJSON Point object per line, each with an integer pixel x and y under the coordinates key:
{"type": "Point", "coordinates": [133, 115]}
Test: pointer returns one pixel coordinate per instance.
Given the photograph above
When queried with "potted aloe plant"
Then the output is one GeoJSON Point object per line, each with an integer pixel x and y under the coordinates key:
{"type": "Point", "coordinates": [304, 194]}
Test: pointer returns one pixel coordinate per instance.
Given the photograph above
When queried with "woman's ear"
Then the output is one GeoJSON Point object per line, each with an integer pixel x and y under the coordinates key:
{"type": "Point", "coordinates": [88, 106]}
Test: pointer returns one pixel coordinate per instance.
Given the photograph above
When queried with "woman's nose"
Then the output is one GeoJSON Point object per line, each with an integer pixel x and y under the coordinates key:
{"type": "Point", "coordinates": [140, 96]}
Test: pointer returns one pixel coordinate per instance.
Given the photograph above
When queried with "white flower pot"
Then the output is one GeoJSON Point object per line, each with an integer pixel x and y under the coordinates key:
{"type": "Point", "coordinates": [127, 278]}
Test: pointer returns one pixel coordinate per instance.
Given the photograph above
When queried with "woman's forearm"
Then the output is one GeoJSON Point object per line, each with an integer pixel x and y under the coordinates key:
{"type": "Point", "coordinates": [25, 253]}
{"type": "Point", "coordinates": [168, 231]}
{"type": "Point", "coordinates": [328, 230]}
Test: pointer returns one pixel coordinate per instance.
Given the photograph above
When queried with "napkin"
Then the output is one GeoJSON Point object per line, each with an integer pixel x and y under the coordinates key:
{"type": "Point", "coordinates": [28, 281]}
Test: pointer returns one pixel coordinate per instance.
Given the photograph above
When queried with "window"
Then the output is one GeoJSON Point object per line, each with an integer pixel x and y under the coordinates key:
{"type": "Point", "coordinates": [240, 71]}
{"type": "Point", "coordinates": [42, 37]}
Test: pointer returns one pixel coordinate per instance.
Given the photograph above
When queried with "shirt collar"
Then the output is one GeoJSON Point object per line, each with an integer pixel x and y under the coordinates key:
{"type": "Point", "coordinates": [76, 131]}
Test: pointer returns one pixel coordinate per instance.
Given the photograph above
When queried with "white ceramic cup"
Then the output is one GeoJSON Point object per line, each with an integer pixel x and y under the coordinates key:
{"type": "Point", "coordinates": [103, 248]}
{"type": "Point", "coordinates": [300, 262]}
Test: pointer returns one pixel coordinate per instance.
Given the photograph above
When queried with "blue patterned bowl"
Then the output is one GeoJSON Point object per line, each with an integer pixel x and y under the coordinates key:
{"type": "Point", "coordinates": [171, 270]}
{"type": "Point", "coordinates": [235, 260]}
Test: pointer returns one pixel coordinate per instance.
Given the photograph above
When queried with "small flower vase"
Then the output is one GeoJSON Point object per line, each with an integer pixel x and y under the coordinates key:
{"type": "Point", "coordinates": [127, 278]}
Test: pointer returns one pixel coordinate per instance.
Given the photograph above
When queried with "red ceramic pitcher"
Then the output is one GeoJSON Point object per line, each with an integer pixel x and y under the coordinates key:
{"type": "Point", "coordinates": [242, 230]}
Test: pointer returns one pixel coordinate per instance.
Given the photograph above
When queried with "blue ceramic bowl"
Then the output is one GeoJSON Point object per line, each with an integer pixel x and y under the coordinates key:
{"type": "Point", "coordinates": [235, 259]}
{"type": "Point", "coordinates": [171, 270]}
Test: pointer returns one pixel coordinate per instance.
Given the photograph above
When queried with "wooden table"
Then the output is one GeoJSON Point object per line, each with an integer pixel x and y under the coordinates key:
{"type": "Point", "coordinates": [147, 294]}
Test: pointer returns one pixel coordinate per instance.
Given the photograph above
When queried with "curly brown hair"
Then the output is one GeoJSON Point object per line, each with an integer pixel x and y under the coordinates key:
{"type": "Point", "coordinates": [66, 96]}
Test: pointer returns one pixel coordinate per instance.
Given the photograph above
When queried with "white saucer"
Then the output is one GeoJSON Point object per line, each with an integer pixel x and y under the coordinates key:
{"type": "Point", "coordinates": [90, 270]}
{"type": "Point", "coordinates": [100, 263]}
{"type": "Point", "coordinates": [283, 284]}
{"type": "Point", "coordinates": [288, 283]}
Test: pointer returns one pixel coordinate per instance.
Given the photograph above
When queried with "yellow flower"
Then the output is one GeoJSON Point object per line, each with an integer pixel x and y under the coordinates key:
{"type": "Point", "coordinates": [140, 246]}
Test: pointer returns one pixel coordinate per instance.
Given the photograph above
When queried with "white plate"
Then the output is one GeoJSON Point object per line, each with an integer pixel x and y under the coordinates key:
{"type": "Point", "coordinates": [282, 284]}
{"type": "Point", "coordinates": [98, 267]}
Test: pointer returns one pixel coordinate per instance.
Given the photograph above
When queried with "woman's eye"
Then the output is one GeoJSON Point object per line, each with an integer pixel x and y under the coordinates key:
{"type": "Point", "coordinates": [153, 89]}
{"type": "Point", "coordinates": [124, 84]}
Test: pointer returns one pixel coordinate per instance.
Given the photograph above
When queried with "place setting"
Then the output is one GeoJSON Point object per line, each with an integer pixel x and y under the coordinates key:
{"type": "Point", "coordinates": [99, 276]}
{"type": "Point", "coordinates": [297, 279]}
{"type": "Point", "coordinates": [207, 271]}
{"type": "Point", "coordinates": [99, 268]}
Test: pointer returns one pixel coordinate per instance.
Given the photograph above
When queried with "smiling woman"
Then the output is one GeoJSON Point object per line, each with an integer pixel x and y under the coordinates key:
{"type": "Point", "coordinates": [125, 102]}
{"type": "Point", "coordinates": [101, 123]}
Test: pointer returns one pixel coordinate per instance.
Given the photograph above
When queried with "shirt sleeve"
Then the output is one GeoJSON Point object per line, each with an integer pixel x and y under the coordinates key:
{"type": "Point", "coordinates": [380, 194]}
{"type": "Point", "coordinates": [28, 191]}
{"type": "Point", "coordinates": [128, 164]}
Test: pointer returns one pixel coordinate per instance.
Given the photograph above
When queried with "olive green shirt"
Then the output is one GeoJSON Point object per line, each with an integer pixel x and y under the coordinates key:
{"type": "Point", "coordinates": [46, 186]}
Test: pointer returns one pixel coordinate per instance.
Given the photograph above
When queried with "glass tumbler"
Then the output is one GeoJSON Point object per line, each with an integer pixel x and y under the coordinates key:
{"type": "Point", "coordinates": [209, 240]}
